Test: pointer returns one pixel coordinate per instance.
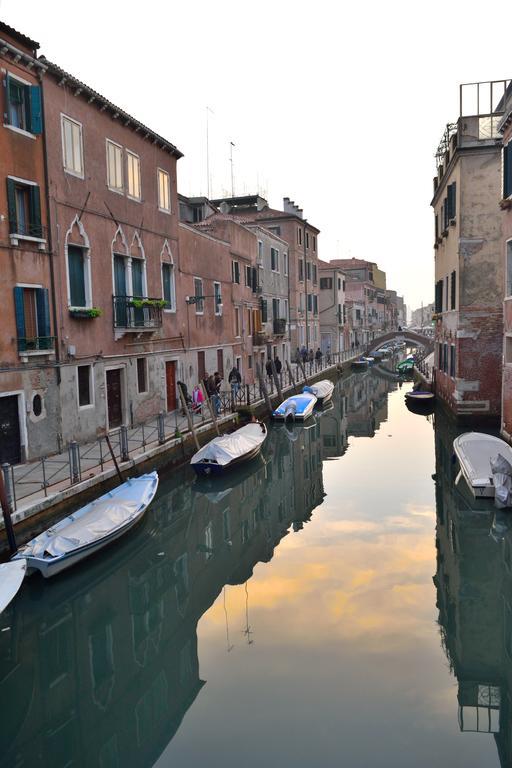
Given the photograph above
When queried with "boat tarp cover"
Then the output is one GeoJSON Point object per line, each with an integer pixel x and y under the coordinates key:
{"type": "Point", "coordinates": [476, 449]}
{"type": "Point", "coordinates": [223, 450]}
{"type": "Point", "coordinates": [320, 389]}
{"type": "Point", "coordinates": [103, 518]}
{"type": "Point", "coordinates": [502, 478]}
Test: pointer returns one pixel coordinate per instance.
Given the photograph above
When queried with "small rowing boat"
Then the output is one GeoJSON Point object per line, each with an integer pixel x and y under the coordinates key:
{"type": "Point", "coordinates": [322, 390]}
{"type": "Point", "coordinates": [90, 528]}
{"type": "Point", "coordinates": [296, 407]}
{"type": "Point", "coordinates": [474, 451]}
{"type": "Point", "coordinates": [222, 453]}
{"type": "Point", "coordinates": [11, 578]}
{"type": "Point", "coordinates": [360, 365]}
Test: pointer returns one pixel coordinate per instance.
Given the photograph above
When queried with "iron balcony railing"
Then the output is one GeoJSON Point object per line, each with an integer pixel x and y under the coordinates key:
{"type": "Point", "coordinates": [35, 344]}
{"type": "Point", "coordinates": [258, 338]}
{"type": "Point", "coordinates": [137, 313]}
{"type": "Point", "coordinates": [279, 326]}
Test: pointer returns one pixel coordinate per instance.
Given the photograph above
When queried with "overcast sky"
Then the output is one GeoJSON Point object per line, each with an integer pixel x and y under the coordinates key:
{"type": "Point", "coordinates": [337, 106]}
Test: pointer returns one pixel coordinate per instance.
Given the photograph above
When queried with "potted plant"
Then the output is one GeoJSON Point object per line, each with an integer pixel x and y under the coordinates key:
{"type": "Point", "coordinates": [141, 303]}
{"type": "Point", "coordinates": [85, 312]}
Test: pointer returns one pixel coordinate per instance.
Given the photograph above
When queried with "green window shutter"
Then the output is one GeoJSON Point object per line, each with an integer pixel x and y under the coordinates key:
{"type": "Point", "coordinates": [43, 312]}
{"type": "Point", "coordinates": [119, 275]}
{"type": "Point", "coordinates": [137, 278]}
{"type": "Point", "coordinates": [11, 206]}
{"type": "Point", "coordinates": [264, 311]}
{"type": "Point", "coordinates": [76, 276]}
{"type": "Point", "coordinates": [166, 280]}
{"type": "Point", "coordinates": [35, 212]}
{"type": "Point", "coordinates": [507, 170]}
{"type": "Point", "coordinates": [36, 114]}
{"type": "Point", "coordinates": [19, 310]}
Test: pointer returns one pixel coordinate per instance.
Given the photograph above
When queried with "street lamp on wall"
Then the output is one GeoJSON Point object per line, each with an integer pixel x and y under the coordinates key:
{"type": "Point", "coordinates": [195, 299]}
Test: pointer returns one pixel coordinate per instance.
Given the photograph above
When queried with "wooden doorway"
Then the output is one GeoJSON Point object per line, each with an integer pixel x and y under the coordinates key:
{"type": "Point", "coordinates": [201, 366]}
{"type": "Point", "coordinates": [170, 384]}
{"type": "Point", "coordinates": [114, 398]}
{"type": "Point", "coordinates": [220, 362]}
{"type": "Point", "coordinates": [10, 436]}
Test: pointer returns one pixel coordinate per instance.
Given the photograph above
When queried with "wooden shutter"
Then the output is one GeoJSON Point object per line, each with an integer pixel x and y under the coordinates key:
{"type": "Point", "coordinates": [264, 311]}
{"type": "Point", "coordinates": [43, 312]}
{"type": "Point", "coordinates": [19, 309]}
{"type": "Point", "coordinates": [507, 170]}
{"type": "Point", "coordinates": [35, 212]}
{"type": "Point", "coordinates": [11, 206]}
{"type": "Point", "coordinates": [137, 287]}
{"type": "Point", "coordinates": [36, 116]}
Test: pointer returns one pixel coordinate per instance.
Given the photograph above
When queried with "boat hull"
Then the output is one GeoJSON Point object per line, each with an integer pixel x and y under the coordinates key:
{"type": "Point", "coordinates": [296, 408]}
{"type": "Point", "coordinates": [11, 578]}
{"type": "Point", "coordinates": [475, 464]}
{"type": "Point", "coordinates": [359, 365]}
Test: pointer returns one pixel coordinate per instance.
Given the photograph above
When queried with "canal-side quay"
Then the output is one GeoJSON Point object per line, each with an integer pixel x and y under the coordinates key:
{"type": "Point", "coordinates": [301, 572]}
{"type": "Point", "coordinates": [43, 491]}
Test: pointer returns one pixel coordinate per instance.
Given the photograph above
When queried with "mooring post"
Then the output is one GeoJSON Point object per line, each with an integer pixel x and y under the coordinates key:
{"type": "Point", "coordinates": [116, 465]}
{"type": "Point", "coordinates": [290, 374]}
{"type": "Point", "coordinates": [263, 388]}
{"type": "Point", "coordinates": [74, 462]}
{"type": "Point", "coordinates": [123, 439]}
{"type": "Point", "coordinates": [190, 420]}
{"type": "Point", "coordinates": [211, 407]}
{"type": "Point", "coordinates": [6, 497]}
{"type": "Point", "coordinates": [276, 379]}
{"type": "Point", "coordinates": [160, 423]}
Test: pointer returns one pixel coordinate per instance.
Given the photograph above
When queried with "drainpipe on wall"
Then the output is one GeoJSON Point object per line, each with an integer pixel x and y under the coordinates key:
{"type": "Point", "coordinates": [306, 284]}
{"type": "Point", "coordinates": [50, 242]}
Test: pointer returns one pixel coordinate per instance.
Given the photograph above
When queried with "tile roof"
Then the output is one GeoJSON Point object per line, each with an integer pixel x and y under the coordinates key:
{"type": "Point", "coordinates": [27, 41]}
{"type": "Point", "coordinates": [94, 95]}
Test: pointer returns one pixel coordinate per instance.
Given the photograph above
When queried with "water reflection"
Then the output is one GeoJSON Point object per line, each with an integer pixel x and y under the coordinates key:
{"type": "Point", "coordinates": [474, 598]}
{"type": "Point", "coordinates": [100, 666]}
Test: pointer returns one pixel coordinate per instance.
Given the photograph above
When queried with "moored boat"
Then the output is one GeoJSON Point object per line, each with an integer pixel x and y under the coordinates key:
{"type": "Point", "coordinates": [474, 451]}
{"type": "Point", "coordinates": [296, 407]}
{"type": "Point", "coordinates": [90, 528]}
{"type": "Point", "coordinates": [322, 390]}
{"type": "Point", "coordinates": [420, 401]}
{"type": "Point", "coordinates": [360, 365]}
{"type": "Point", "coordinates": [11, 578]}
{"type": "Point", "coordinates": [222, 453]}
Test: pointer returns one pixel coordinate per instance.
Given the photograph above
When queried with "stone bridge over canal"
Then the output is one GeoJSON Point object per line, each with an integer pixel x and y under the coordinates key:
{"type": "Point", "coordinates": [415, 339]}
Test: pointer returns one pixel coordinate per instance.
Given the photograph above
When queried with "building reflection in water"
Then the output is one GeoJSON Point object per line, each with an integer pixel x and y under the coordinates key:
{"type": "Point", "coordinates": [474, 598]}
{"type": "Point", "coordinates": [99, 666]}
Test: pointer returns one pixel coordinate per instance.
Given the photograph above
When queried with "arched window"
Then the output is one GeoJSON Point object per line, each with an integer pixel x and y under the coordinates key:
{"type": "Point", "coordinates": [78, 265]}
{"type": "Point", "coordinates": [168, 278]}
{"type": "Point", "coordinates": [138, 268]}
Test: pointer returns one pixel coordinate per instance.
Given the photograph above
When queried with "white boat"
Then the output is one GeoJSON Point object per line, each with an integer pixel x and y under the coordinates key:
{"type": "Point", "coordinates": [360, 364]}
{"type": "Point", "coordinates": [221, 453]}
{"type": "Point", "coordinates": [322, 390]}
{"type": "Point", "coordinates": [90, 528]}
{"type": "Point", "coordinates": [474, 451]}
{"type": "Point", "coordinates": [11, 578]}
{"type": "Point", "coordinates": [296, 407]}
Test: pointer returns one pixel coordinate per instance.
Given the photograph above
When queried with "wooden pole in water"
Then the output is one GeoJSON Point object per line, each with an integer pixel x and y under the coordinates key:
{"type": "Point", "coordinates": [263, 388]}
{"type": "Point", "coordinates": [303, 371]}
{"type": "Point", "coordinates": [210, 406]}
{"type": "Point", "coordinates": [290, 373]}
{"type": "Point", "coordinates": [276, 380]}
{"type": "Point", "coordinates": [116, 465]}
{"type": "Point", "coordinates": [190, 420]}
{"type": "Point", "coordinates": [6, 509]}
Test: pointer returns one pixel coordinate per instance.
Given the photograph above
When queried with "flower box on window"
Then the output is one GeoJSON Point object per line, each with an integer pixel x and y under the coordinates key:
{"type": "Point", "coordinates": [85, 312]}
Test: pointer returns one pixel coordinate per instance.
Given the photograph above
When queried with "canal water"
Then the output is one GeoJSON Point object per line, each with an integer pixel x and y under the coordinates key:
{"type": "Point", "coordinates": [336, 603]}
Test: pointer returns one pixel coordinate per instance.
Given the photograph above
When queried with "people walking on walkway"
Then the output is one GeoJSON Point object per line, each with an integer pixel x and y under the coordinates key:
{"type": "Point", "coordinates": [235, 380]}
{"type": "Point", "coordinates": [197, 399]}
{"type": "Point", "coordinates": [278, 364]}
{"type": "Point", "coordinates": [268, 368]}
{"type": "Point", "coordinates": [318, 358]}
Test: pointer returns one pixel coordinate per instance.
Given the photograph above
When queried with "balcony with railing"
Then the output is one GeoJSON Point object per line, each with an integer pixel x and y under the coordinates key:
{"type": "Point", "coordinates": [279, 326]}
{"type": "Point", "coordinates": [259, 338]}
{"type": "Point", "coordinates": [136, 314]}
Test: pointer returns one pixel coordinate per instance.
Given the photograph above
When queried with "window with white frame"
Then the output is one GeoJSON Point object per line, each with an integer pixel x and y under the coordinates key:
{"type": "Point", "coordinates": [274, 260]}
{"type": "Point", "coordinates": [24, 208]}
{"type": "Point", "coordinates": [114, 166]}
{"type": "Point", "coordinates": [23, 105]}
{"type": "Point", "coordinates": [77, 276]}
{"type": "Point", "coordinates": [198, 291]}
{"type": "Point", "coordinates": [142, 375]}
{"type": "Point", "coordinates": [133, 175]}
{"type": "Point", "coordinates": [72, 146]}
{"type": "Point", "coordinates": [260, 252]}
{"type": "Point", "coordinates": [248, 276]}
{"type": "Point", "coordinates": [237, 321]}
{"type": "Point", "coordinates": [217, 298]}
{"type": "Point", "coordinates": [164, 191]}
{"type": "Point", "coordinates": [285, 263]}
{"type": "Point", "coordinates": [235, 271]}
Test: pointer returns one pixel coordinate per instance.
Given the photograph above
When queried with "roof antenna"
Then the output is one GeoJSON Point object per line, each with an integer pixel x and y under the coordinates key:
{"type": "Point", "coordinates": [231, 145]}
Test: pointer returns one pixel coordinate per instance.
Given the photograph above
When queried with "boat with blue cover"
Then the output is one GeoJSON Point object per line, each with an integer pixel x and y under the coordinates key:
{"type": "Point", "coordinates": [90, 528]}
{"type": "Point", "coordinates": [296, 407]}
